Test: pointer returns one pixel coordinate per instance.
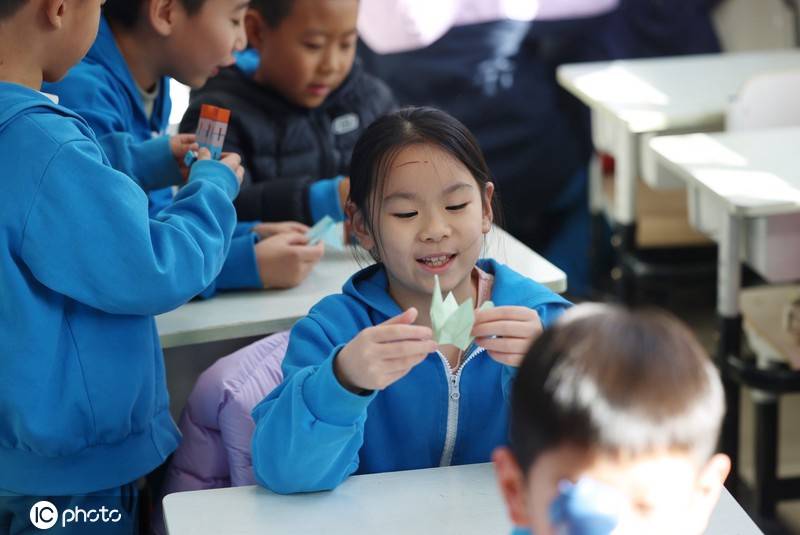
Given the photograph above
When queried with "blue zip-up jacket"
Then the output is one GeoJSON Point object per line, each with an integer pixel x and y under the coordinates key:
{"type": "Point", "coordinates": [102, 90]}
{"type": "Point", "coordinates": [311, 433]}
{"type": "Point", "coordinates": [83, 270]}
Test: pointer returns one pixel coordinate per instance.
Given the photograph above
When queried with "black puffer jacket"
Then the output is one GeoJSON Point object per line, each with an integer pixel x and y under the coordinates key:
{"type": "Point", "coordinates": [284, 147]}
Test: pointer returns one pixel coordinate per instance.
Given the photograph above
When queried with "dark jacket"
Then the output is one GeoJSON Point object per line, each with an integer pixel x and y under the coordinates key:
{"type": "Point", "coordinates": [285, 147]}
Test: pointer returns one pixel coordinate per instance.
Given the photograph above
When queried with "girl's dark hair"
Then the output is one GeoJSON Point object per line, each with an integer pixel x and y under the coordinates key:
{"type": "Point", "coordinates": [380, 143]}
{"type": "Point", "coordinates": [616, 381]}
{"type": "Point", "coordinates": [9, 7]}
{"type": "Point", "coordinates": [273, 11]}
{"type": "Point", "coordinates": [127, 12]}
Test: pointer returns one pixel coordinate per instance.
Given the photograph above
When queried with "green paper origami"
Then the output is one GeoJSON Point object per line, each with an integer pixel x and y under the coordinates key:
{"type": "Point", "coordinates": [325, 230]}
{"type": "Point", "coordinates": [451, 322]}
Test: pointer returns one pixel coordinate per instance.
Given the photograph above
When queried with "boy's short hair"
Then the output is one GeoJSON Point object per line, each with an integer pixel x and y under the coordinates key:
{"type": "Point", "coordinates": [9, 7]}
{"type": "Point", "coordinates": [127, 12]}
{"type": "Point", "coordinates": [273, 11]}
{"type": "Point", "coordinates": [618, 382]}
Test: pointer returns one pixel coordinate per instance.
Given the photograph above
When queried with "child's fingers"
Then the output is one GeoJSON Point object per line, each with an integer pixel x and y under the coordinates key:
{"type": "Point", "coordinates": [186, 139]}
{"type": "Point", "coordinates": [383, 334]}
{"type": "Point", "coordinates": [203, 154]}
{"type": "Point", "coordinates": [231, 159]}
{"type": "Point", "coordinates": [294, 226]}
{"type": "Point", "coordinates": [515, 313]}
{"type": "Point", "coordinates": [408, 349]}
{"type": "Point", "coordinates": [517, 346]}
{"type": "Point", "coordinates": [519, 329]}
{"type": "Point", "coordinates": [406, 317]}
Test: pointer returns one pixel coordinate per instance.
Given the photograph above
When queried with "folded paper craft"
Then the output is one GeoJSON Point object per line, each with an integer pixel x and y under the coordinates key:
{"type": "Point", "coordinates": [325, 230]}
{"type": "Point", "coordinates": [452, 323]}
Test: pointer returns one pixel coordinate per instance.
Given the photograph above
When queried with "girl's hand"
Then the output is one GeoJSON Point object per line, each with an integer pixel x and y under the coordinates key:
{"type": "Point", "coordinates": [506, 332]}
{"type": "Point", "coordinates": [383, 354]}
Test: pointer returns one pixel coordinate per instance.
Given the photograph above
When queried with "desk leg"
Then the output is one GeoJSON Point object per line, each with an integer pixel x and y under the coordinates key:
{"type": "Point", "coordinates": [729, 281]}
{"type": "Point", "coordinates": [624, 240]}
{"type": "Point", "coordinates": [766, 452]}
{"type": "Point", "coordinates": [598, 234]}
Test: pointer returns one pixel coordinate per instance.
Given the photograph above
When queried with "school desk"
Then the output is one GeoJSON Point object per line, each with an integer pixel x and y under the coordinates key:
{"type": "Point", "coordinates": [744, 191]}
{"type": "Point", "coordinates": [632, 101]}
{"type": "Point", "coordinates": [259, 312]}
{"type": "Point", "coordinates": [455, 500]}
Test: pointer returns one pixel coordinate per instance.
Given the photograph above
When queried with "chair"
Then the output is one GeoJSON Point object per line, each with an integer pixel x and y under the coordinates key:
{"type": "Point", "coordinates": [216, 424]}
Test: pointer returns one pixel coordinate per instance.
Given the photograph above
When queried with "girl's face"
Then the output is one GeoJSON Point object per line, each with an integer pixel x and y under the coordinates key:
{"type": "Point", "coordinates": [429, 219]}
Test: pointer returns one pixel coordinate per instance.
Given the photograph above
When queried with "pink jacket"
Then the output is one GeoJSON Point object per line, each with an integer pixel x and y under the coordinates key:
{"type": "Point", "coordinates": [216, 423]}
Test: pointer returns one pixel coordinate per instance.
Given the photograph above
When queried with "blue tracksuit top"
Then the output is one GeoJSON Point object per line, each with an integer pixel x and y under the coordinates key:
{"type": "Point", "coordinates": [83, 270]}
{"type": "Point", "coordinates": [102, 90]}
{"type": "Point", "coordinates": [311, 433]}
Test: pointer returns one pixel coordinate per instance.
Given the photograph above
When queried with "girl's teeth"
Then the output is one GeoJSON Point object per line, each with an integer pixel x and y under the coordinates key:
{"type": "Point", "coordinates": [437, 261]}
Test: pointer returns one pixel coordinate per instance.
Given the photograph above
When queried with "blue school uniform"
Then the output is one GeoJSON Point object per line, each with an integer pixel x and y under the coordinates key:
{"type": "Point", "coordinates": [102, 90]}
{"type": "Point", "coordinates": [83, 270]}
{"type": "Point", "coordinates": [311, 433]}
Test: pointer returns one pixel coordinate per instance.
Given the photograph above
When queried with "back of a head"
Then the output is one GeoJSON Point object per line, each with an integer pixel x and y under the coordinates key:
{"type": "Point", "coordinates": [10, 7]}
{"type": "Point", "coordinates": [619, 382]}
{"type": "Point", "coordinates": [273, 11]}
{"type": "Point", "coordinates": [128, 12]}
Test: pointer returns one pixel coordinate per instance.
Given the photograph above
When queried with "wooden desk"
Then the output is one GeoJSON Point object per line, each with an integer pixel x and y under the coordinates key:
{"type": "Point", "coordinates": [260, 312]}
{"type": "Point", "coordinates": [461, 500]}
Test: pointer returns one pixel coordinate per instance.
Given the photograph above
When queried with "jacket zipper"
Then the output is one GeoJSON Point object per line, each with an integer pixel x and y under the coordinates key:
{"type": "Point", "coordinates": [453, 395]}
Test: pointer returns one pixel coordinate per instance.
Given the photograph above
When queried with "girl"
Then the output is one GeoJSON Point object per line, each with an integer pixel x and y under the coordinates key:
{"type": "Point", "coordinates": [366, 388]}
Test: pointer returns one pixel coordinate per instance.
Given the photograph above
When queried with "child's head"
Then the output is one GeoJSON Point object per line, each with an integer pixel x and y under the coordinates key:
{"type": "Point", "coordinates": [57, 33]}
{"type": "Point", "coordinates": [625, 398]}
{"type": "Point", "coordinates": [307, 47]}
{"type": "Point", "coordinates": [420, 198]}
{"type": "Point", "coordinates": [195, 38]}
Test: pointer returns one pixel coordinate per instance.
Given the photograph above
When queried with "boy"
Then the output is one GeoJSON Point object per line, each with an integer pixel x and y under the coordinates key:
{"type": "Point", "coordinates": [84, 409]}
{"type": "Point", "coordinates": [299, 113]}
{"type": "Point", "coordinates": [122, 90]}
{"type": "Point", "coordinates": [627, 405]}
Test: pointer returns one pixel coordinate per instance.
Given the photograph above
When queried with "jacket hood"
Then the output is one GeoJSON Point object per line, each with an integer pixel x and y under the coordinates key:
{"type": "Point", "coordinates": [16, 100]}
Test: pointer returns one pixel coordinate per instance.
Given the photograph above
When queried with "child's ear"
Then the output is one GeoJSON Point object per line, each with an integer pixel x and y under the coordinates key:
{"type": "Point", "coordinates": [162, 15]}
{"type": "Point", "coordinates": [254, 25]}
{"type": "Point", "coordinates": [54, 12]}
{"type": "Point", "coordinates": [358, 225]}
{"type": "Point", "coordinates": [512, 485]}
{"type": "Point", "coordinates": [488, 213]}
{"type": "Point", "coordinates": [710, 481]}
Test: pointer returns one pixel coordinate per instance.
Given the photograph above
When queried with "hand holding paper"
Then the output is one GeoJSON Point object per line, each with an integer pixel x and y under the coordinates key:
{"type": "Point", "coordinates": [507, 332]}
{"type": "Point", "coordinates": [451, 322]}
{"type": "Point", "coordinates": [325, 230]}
{"type": "Point", "coordinates": [380, 355]}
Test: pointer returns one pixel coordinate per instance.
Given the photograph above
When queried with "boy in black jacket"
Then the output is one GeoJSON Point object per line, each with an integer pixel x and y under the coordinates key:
{"type": "Point", "coordinates": [298, 108]}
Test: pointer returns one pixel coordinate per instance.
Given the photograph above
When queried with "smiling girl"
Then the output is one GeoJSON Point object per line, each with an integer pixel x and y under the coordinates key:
{"type": "Point", "coordinates": [366, 387]}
